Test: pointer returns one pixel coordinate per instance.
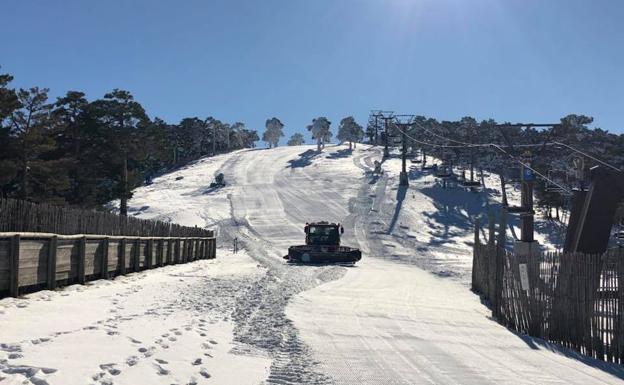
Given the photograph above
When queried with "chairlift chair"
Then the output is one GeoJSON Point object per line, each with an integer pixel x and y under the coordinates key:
{"type": "Point", "coordinates": [444, 171]}
{"type": "Point", "coordinates": [554, 181]}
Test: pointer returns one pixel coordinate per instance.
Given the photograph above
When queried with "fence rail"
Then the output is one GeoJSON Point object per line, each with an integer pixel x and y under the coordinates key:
{"type": "Point", "coordinates": [22, 216]}
{"type": "Point", "coordinates": [32, 261]}
{"type": "Point", "coordinates": [572, 299]}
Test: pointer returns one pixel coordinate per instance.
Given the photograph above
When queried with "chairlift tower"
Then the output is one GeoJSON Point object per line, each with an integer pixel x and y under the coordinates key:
{"type": "Point", "coordinates": [404, 122]}
{"type": "Point", "coordinates": [527, 215]}
{"type": "Point", "coordinates": [388, 117]}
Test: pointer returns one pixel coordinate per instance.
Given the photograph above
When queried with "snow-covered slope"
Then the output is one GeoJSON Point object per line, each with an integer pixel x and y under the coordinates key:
{"type": "Point", "coordinates": [403, 315]}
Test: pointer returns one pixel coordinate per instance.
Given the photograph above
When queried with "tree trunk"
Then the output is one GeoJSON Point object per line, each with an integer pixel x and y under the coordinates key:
{"type": "Point", "coordinates": [350, 144]}
{"type": "Point", "coordinates": [123, 207]}
{"type": "Point", "coordinates": [318, 145]}
{"type": "Point", "coordinates": [214, 140]}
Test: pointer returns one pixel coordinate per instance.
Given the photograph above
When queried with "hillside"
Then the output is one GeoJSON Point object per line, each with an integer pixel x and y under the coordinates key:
{"type": "Point", "coordinates": [403, 315]}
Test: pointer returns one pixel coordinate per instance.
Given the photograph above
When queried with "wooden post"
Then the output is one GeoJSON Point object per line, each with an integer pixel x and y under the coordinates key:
{"type": "Point", "coordinates": [14, 256]}
{"type": "Point", "coordinates": [149, 253]}
{"type": "Point", "coordinates": [499, 265]}
{"type": "Point", "coordinates": [137, 255]}
{"type": "Point", "coordinates": [52, 248]}
{"type": "Point", "coordinates": [502, 229]}
{"type": "Point", "coordinates": [169, 251]}
{"type": "Point", "coordinates": [105, 258]}
{"type": "Point", "coordinates": [160, 252]}
{"type": "Point", "coordinates": [491, 229]}
{"type": "Point", "coordinates": [122, 256]}
{"type": "Point", "coordinates": [82, 246]}
{"type": "Point", "coordinates": [214, 248]}
{"type": "Point", "coordinates": [176, 255]}
{"type": "Point", "coordinates": [475, 255]}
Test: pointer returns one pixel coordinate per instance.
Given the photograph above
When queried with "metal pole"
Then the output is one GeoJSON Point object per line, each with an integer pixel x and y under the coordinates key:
{"type": "Point", "coordinates": [526, 218]}
{"type": "Point", "coordinates": [386, 135]}
{"type": "Point", "coordinates": [403, 179]}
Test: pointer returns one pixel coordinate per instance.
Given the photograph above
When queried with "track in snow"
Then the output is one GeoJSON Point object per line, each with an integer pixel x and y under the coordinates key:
{"type": "Point", "coordinates": [383, 322]}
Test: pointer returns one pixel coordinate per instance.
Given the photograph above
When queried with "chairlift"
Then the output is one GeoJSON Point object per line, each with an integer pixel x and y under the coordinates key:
{"type": "Point", "coordinates": [444, 171]}
{"type": "Point", "coordinates": [556, 178]}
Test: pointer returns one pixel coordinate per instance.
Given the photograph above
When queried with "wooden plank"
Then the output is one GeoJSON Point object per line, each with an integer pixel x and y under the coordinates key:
{"type": "Point", "coordinates": [33, 264]}
{"type": "Point", "coordinates": [14, 257]}
{"type": "Point", "coordinates": [5, 251]}
{"type": "Point", "coordinates": [93, 257]}
{"type": "Point", "coordinates": [52, 249]}
{"type": "Point", "coordinates": [82, 245]}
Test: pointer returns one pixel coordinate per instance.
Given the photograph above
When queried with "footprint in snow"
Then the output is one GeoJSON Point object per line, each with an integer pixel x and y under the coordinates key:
{"type": "Point", "coordinates": [132, 360]}
{"type": "Point", "coordinates": [111, 369]}
{"type": "Point", "coordinates": [204, 373]}
{"type": "Point", "coordinates": [160, 370]}
{"type": "Point", "coordinates": [161, 361]}
{"type": "Point", "coordinates": [196, 362]}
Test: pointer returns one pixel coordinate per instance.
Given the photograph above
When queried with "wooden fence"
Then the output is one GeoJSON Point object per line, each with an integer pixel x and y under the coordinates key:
{"type": "Point", "coordinates": [22, 216]}
{"type": "Point", "coordinates": [33, 261]}
{"type": "Point", "coordinates": [568, 298]}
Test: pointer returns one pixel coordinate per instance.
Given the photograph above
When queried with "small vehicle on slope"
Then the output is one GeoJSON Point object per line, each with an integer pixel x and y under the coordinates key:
{"type": "Point", "coordinates": [322, 245]}
{"type": "Point", "coordinates": [219, 181]}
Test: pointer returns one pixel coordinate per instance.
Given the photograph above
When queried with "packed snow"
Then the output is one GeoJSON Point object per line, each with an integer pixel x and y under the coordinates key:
{"type": "Point", "coordinates": [402, 315]}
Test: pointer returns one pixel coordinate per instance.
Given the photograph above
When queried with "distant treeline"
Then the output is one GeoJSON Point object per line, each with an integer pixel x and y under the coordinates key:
{"type": "Point", "coordinates": [86, 153]}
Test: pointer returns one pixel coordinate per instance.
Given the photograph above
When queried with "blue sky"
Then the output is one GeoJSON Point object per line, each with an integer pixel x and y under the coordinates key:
{"type": "Point", "coordinates": [511, 60]}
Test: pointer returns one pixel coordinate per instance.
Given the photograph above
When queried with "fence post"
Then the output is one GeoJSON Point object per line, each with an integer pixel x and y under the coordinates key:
{"type": "Point", "coordinates": [176, 252]}
{"type": "Point", "coordinates": [137, 255]}
{"type": "Point", "coordinates": [149, 253]}
{"type": "Point", "coordinates": [474, 254]}
{"type": "Point", "coordinates": [491, 228]}
{"type": "Point", "coordinates": [169, 251]}
{"type": "Point", "coordinates": [499, 265]}
{"type": "Point", "coordinates": [52, 248]}
{"type": "Point", "coordinates": [160, 252]}
{"type": "Point", "coordinates": [122, 256]}
{"type": "Point", "coordinates": [105, 258]}
{"type": "Point", "coordinates": [14, 257]}
{"type": "Point", "coordinates": [82, 246]}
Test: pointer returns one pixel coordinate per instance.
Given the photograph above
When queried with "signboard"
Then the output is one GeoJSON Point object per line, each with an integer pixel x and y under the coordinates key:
{"type": "Point", "coordinates": [524, 276]}
{"type": "Point", "coordinates": [527, 174]}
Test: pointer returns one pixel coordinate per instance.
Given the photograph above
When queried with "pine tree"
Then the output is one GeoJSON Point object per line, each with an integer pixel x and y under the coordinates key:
{"type": "Point", "coordinates": [320, 131]}
{"type": "Point", "coordinates": [120, 118]}
{"type": "Point", "coordinates": [296, 139]}
{"type": "Point", "coordinates": [273, 132]}
{"type": "Point", "coordinates": [350, 131]}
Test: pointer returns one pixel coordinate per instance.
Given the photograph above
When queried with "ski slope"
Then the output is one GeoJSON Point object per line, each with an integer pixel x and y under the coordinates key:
{"type": "Point", "coordinates": [403, 315]}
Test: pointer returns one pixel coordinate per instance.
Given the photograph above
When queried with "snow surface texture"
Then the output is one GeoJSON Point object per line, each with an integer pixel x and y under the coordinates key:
{"type": "Point", "coordinates": [403, 315]}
